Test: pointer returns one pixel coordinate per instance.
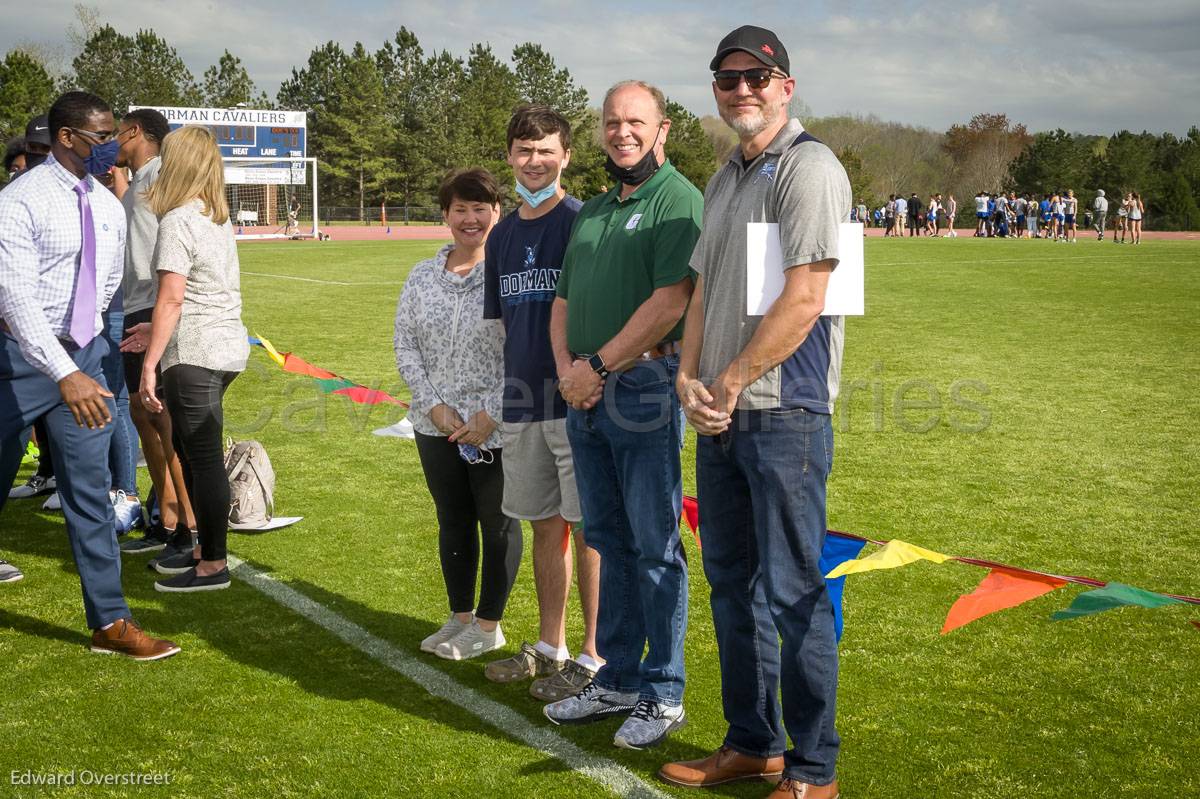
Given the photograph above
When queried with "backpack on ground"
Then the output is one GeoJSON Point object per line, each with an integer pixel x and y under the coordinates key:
{"type": "Point", "coordinates": [251, 483]}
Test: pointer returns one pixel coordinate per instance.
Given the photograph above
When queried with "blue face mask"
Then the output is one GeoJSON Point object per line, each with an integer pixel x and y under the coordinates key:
{"type": "Point", "coordinates": [102, 158]}
{"type": "Point", "coordinates": [534, 199]}
{"type": "Point", "coordinates": [473, 454]}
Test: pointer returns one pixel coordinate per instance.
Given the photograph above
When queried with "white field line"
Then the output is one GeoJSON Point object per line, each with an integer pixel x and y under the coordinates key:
{"type": "Point", "coordinates": [928, 261]}
{"type": "Point", "coordinates": [616, 778]}
{"type": "Point", "coordinates": [324, 282]}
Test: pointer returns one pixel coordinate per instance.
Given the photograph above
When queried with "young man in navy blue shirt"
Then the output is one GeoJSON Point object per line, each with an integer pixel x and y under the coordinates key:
{"type": "Point", "coordinates": [523, 263]}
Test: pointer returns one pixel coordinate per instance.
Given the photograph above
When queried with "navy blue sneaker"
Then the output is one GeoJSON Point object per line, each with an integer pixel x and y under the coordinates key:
{"type": "Point", "coordinates": [189, 581]}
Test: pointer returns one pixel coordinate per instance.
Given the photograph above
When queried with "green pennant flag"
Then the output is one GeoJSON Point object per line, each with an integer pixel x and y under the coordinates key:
{"type": "Point", "coordinates": [1113, 595]}
{"type": "Point", "coordinates": [329, 385]}
{"type": "Point", "coordinates": [31, 454]}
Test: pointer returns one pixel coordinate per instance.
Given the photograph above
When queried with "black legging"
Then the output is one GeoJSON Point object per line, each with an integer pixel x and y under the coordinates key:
{"type": "Point", "coordinates": [193, 398]}
{"type": "Point", "coordinates": [468, 501]}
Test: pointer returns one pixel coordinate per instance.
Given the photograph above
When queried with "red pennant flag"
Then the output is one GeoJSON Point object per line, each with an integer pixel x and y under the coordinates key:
{"type": "Point", "coordinates": [368, 396]}
{"type": "Point", "coordinates": [1000, 590]}
{"type": "Point", "coordinates": [296, 365]}
{"type": "Point", "coordinates": [691, 515]}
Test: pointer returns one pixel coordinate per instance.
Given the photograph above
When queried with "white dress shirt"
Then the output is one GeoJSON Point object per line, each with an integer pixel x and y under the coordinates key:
{"type": "Point", "coordinates": [41, 239]}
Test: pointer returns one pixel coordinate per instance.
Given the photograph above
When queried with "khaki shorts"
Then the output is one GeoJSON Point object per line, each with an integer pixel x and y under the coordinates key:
{"type": "Point", "coordinates": [539, 475]}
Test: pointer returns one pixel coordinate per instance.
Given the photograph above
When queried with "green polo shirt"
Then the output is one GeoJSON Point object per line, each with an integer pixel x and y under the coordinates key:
{"type": "Point", "coordinates": [622, 250]}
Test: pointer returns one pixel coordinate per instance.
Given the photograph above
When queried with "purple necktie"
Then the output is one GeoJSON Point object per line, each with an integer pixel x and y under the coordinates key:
{"type": "Point", "coordinates": [83, 314]}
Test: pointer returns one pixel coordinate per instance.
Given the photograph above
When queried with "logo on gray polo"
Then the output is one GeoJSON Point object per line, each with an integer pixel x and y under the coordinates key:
{"type": "Point", "coordinates": [767, 171]}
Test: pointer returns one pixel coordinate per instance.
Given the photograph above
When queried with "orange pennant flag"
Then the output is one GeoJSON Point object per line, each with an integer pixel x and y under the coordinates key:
{"type": "Point", "coordinates": [299, 366]}
{"type": "Point", "coordinates": [1000, 590]}
{"type": "Point", "coordinates": [368, 396]}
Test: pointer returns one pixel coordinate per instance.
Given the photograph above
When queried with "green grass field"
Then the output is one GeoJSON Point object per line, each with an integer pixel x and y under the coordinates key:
{"type": "Point", "coordinates": [1010, 400]}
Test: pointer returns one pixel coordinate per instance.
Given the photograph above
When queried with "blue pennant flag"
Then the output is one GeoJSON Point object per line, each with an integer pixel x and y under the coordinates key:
{"type": "Point", "coordinates": [838, 550]}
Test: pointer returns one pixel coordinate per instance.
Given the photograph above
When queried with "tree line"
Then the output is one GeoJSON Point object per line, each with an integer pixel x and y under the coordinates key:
{"type": "Point", "coordinates": [387, 125]}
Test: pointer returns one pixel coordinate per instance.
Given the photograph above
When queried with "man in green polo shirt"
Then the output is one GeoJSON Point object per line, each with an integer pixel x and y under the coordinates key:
{"type": "Point", "coordinates": [615, 328]}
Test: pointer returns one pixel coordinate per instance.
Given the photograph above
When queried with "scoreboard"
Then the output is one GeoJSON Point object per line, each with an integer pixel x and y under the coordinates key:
{"type": "Point", "coordinates": [250, 133]}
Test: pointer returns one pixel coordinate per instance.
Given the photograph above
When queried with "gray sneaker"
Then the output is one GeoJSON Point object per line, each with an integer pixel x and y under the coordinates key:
{"type": "Point", "coordinates": [649, 724]}
{"type": "Point", "coordinates": [9, 573]}
{"type": "Point", "coordinates": [35, 486]}
{"type": "Point", "coordinates": [528, 662]}
{"type": "Point", "coordinates": [591, 704]}
{"type": "Point", "coordinates": [472, 641]}
{"type": "Point", "coordinates": [567, 681]}
{"type": "Point", "coordinates": [451, 628]}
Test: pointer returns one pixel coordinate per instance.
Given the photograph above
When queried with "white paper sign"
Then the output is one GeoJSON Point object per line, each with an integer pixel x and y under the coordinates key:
{"type": "Point", "coordinates": [845, 294]}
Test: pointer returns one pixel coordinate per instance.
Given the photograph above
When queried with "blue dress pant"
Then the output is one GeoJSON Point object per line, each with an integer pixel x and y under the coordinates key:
{"type": "Point", "coordinates": [81, 466]}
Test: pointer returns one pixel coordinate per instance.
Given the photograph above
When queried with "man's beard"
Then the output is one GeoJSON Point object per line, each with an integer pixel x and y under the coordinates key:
{"type": "Point", "coordinates": [751, 125]}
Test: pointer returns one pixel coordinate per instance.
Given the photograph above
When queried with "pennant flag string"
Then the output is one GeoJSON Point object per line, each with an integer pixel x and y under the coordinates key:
{"type": "Point", "coordinates": [327, 382]}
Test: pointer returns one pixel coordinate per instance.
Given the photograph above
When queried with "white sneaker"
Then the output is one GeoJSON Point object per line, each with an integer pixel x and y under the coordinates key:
{"type": "Point", "coordinates": [127, 512]}
{"type": "Point", "coordinates": [9, 573]}
{"type": "Point", "coordinates": [54, 502]}
{"type": "Point", "coordinates": [471, 641]}
{"type": "Point", "coordinates": [591, 704]}
{"type": "Point", "coordinates": [451, 628]}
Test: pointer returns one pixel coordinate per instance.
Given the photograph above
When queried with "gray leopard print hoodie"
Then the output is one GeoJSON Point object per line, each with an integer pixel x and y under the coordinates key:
{"type": "Point", "coordinates": [445, 350]}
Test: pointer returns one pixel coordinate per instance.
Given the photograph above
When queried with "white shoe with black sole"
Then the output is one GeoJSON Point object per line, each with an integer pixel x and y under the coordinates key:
{"type": "Point", "coordinates": [591, 704]}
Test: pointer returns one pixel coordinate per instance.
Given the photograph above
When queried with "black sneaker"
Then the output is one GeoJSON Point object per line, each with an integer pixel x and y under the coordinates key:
{"type": "Point", "coordinates": [177, 563]}
{"type": "Point", "coordinates": [189, 581]}
{"type": "Point", "coordinates": [182, 540]}
{"type": "Point", "coordinates": [155, 538]}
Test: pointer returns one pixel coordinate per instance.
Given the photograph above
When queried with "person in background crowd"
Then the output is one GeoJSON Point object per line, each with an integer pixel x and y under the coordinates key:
{"type": "Point", "coordinates": [453, 362]}
{"type": "Point", "coordinates": [62, 251]}
{"type": "Point", "coordinates": [141, 134]}
{"type": "Point", "coordinates": [615, 328]}
{"type": "Point", "coordinates": [760, 392]}
{"type": "Point", "coordinates": [1134, 220]}
{"type": "Point", "coordinates": [1045, 218]}
{"type": "Point", "coordinates": [198, 340]}
{"type": "Point", "coordinates": [524, 259]}
{"type": "Point", "coordinates": [14, 157]}
{"type": "Point", "coordinates": [951, 212]}
{"type": "Point", "coordinates": [1020, 208]}
{"type": "Point", "coordinates": [901, 215]}
{"type": "Point", "coordinates": [1120, 222]}
{"type": "Point", "coordinates": [981, 212]}
{"type": "Point", "coordinates": [931, 215]}
{"type": "Point", "coordinates": [914, 213]}
{"type": "Point", "coordinates": [1100, 219]}
{"type": "Point", "coordinates": [889, 215]}
{"type": "Point", "coordinates": [1070, 209]}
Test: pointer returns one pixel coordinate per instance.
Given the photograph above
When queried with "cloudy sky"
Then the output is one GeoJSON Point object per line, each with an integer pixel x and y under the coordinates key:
{"type": "Point", "coordinates": [1083, 65]}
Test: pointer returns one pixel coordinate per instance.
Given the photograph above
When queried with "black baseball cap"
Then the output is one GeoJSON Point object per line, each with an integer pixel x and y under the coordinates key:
{"type": "Point", "coordinates": [38, 130]}
{"type": "Point", "coordinates": [758, 42]}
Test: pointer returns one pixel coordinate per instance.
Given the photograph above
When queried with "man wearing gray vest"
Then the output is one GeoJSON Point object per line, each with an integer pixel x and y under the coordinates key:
{"type": "Point", "coordinates": [760, 391]}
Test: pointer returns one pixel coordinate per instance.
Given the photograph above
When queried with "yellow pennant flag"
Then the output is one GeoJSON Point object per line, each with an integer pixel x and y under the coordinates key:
{"type": "Point", "coordinates": [893, 554]}
{"type": "Point", "coordinates": [275, 356]}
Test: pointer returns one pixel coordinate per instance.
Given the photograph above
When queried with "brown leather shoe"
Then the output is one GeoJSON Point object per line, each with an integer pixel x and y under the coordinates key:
{"type": "Point", "coordinates": [794, 789]}
{"type": "Point", "coordinates": [125, 637]}
{"type": "Point", "coordinates": [722, 766]}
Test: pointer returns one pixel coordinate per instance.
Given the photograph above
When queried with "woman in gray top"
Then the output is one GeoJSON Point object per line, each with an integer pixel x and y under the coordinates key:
{"type": "Point", "coordinates": [197, 335]}
{"type": "Point", "coordinates": [453, 362]}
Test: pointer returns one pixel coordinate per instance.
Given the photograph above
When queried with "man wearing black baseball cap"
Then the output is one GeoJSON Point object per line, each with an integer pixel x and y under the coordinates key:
{"type": "Point", "coordinates": [37, 141]}
{"type": "Point", "coordinates": [759, 390]}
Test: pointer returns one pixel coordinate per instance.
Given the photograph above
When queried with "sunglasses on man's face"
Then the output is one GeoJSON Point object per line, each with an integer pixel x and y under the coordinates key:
{"type": "Point", "coordinates": [728, 79]}
{"type": "Point", "coordinates": [98, 136]}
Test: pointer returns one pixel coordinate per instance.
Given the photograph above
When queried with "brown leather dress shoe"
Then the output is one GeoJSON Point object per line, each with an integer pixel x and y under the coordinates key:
{"type": "Point", "coordinates": [125, 637]}
{"type": "Point", "coordinates": [794, 789]}
{"type": "Point", "coordinates": [722, 766]}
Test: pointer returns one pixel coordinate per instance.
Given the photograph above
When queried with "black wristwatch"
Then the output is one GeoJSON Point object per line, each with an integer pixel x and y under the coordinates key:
{"type": "Point", "coordinates": [597, 364]}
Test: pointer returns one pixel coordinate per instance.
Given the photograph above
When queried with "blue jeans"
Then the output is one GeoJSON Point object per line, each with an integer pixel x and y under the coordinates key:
{"type": "Point", "coordinates": [626, 453]}
{"type": "Point", "coordinates": [122, 456]}
{"type": "Point", "coordinates": [761, 488]}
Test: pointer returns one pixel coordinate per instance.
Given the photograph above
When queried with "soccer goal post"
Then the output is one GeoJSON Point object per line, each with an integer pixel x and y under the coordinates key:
{"type": "Point", "coordinates": [273, 198]}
